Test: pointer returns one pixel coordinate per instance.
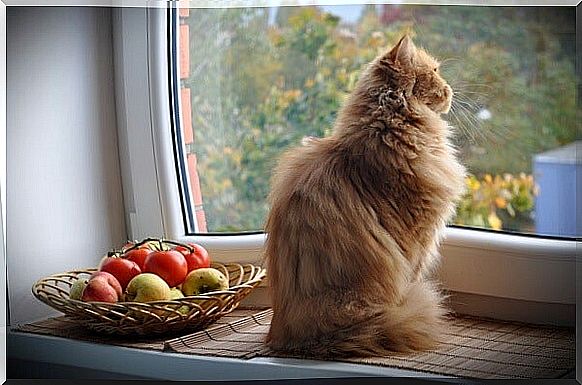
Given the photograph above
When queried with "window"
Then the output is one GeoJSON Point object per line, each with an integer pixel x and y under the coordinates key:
{"type": "Point", "coordinates": [538, 271]}
{"type": "Point", "coordinates": [256, 81]}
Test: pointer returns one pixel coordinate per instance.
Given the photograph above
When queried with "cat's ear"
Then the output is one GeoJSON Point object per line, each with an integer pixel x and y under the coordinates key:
{"type": "Point", "coordinates": [403, 52]}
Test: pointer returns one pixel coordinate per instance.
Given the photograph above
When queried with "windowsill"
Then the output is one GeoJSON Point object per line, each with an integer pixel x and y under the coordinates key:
{"type": "Point", "coordinates": [105, 361]}
{"type": "Point", "coordinates": [499, 308]}
{"type": "Point", "coordinates": [497, 270]}
{"type": "Point", "coordinates": [468, 350]}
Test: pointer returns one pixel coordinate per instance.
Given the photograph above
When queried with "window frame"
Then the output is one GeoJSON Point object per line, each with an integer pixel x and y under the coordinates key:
{"type": "Point", "coordinates": [473, 261]}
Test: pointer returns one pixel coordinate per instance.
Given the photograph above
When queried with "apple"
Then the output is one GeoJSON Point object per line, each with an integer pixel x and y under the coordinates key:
{"type": "Point", "coordinates": [170, 265]}
{"type": "Point", "coordinates": [77, 289]}
{"type": "Point", "coordinates": [122, 269]}
{"type": "Point", "coordinates": [175, 293]}
{"type": "Point", "coordinates": [101, 287]}
{"type": "Point", "coordinates": [138, 256]}
{"type": "Point", "coordinates": [147, 287]}
{"type": "Point", "coordinates": [110, 278]}
{"type": "Point", "coordinates": [204, 280]}
{"type": "Point", "coordinates": [196, 259]}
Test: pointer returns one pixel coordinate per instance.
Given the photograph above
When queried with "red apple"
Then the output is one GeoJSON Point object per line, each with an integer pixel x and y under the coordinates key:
{"type": "Point", "coordinates": [110, 278]}
{"type": "Point", "coordinates": [138, 256]}
{"type": "Point", "coordinates": [196, 259]}
{"type": "Point", "coordinates": [122, 269]}
{"type": "Point", "coordinates": [170, 265]}
{"type": "Point", "coordinates": [102, 287]}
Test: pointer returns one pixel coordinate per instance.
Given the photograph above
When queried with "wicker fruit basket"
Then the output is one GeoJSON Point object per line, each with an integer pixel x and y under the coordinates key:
{"type": "Point", "coordinates": [134, 318]}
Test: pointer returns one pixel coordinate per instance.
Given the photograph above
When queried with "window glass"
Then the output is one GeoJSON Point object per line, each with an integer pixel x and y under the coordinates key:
{"type": "Point", "coordinates": [255, 81]}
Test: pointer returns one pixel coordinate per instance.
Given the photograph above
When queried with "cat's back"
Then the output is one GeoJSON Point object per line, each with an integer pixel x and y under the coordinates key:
{"type": "Point", "coordinates": [304, 168]}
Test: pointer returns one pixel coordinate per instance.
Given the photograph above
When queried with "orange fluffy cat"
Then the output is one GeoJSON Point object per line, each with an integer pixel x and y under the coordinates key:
{"type": "Point", "coordinates": [356, 218]}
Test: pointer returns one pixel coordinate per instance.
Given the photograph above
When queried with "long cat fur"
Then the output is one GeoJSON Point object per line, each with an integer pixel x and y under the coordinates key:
{"type": "Point", "coordinates": [356, 218]}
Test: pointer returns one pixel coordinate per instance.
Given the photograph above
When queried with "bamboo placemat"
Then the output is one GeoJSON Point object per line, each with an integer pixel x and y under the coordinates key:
{"type": "Point", "coordinates": [66, 328]}
{"type": "Point", "coordinates": [474, 348]}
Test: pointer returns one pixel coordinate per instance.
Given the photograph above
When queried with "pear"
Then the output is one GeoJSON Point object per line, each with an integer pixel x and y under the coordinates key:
{"type": "Point", "coordinates": [147, 287]}
{"type": "Point", "coordinates": [204, 280]}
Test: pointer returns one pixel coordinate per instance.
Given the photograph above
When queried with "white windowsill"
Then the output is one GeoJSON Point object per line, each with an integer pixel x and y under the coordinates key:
{"type": "Point", "coordinates": [173, 366]}
{"type": "Point", "coordinates": [473, 262]}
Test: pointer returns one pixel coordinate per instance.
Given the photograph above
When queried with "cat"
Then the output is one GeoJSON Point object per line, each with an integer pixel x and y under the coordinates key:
{"type": "Point", "coordinates": [356, 218]}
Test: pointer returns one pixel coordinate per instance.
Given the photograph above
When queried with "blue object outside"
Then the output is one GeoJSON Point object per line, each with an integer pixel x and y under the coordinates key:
{"type": "Point", "coordinates": [558, 206]}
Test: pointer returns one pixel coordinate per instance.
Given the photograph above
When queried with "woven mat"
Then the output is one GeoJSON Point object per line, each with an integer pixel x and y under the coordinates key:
{"type": "Point", "coordinates": [64, 327]}
{"type": "Point", "coordinates": [475, 347]}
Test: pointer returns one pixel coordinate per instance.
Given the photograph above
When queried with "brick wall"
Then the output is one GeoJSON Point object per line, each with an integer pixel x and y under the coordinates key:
{"type": "Point", "coordinates": [188, 132]}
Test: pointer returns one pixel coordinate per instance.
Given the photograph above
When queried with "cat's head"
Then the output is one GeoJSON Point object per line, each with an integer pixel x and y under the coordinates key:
{"type": "Point", "coordinates": [415, 73]}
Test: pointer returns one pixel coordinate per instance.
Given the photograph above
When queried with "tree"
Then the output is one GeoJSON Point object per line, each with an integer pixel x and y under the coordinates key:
{"type": "Point", "coordinates": [260, 87]}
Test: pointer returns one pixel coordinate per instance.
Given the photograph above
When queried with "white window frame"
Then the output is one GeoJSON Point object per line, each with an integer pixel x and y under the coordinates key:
{"type": "Point", "coordinates": [481, 263]}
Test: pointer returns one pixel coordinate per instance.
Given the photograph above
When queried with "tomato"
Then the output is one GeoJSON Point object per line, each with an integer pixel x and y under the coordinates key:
{"type": "Point", "coordinates": [170, 265]}
{"type": "Point", "coordinates": [122, 269]}
{"type": "Point", "coordinates": [199, 258]}
{"type": "Point", "coordinates": [138, 256]}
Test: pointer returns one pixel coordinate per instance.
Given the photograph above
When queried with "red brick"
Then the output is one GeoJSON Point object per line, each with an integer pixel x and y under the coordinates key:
{"type": "Point", "coordinates": [201, 219]}
{"type": "Point", "coordinates": [186, 105]}
{"type": "Point", "coordinates": [184, 51]}
{"type": "Point", "coordinates": [184, 11]}
{"type": "Point", "coordinates": [196, 192]}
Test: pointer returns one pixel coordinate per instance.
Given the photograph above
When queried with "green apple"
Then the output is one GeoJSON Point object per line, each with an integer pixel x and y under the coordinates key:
{"type": "Point", "coordinates": [147, 287]}
{"type": "Point", "coordinates": [77, 289]}
{"type": "Point", "coordinates": [204, 280]}
{"type": "Point", "coordinates": [175, 293]}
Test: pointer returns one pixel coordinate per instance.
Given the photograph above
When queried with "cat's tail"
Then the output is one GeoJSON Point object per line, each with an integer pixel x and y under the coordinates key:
{"type": "Point", "coordinates": [417, 323]}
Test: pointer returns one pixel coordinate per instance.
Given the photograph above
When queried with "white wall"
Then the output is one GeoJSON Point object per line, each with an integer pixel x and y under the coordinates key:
{"type": "Point", "coordinates": [64, 197]}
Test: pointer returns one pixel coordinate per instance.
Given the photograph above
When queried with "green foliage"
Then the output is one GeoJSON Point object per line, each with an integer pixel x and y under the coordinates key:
{"type": "Point", "coordinates": [510, 62]}
{"type": "Point", "coordinates": [259, 87]}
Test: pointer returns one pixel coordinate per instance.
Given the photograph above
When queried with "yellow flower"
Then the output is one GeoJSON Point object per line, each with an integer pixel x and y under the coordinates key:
{"type": "Point", "coordinates": [494, 221]}
{"type": "Point", "coordinates": [237, 157]}
{"type": "Point", "coordinates": [500, 202]}
{"type": "Point", "coordinates": [295, 94]}
{"type": "Point", "coordinates": [290, 96]}
{"type": "Point", "coordinates": [226, 183]}
{"type": "Point", "coordinates": [472, 183]}
{"type": "Point", "coordinates": [488, 178]}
